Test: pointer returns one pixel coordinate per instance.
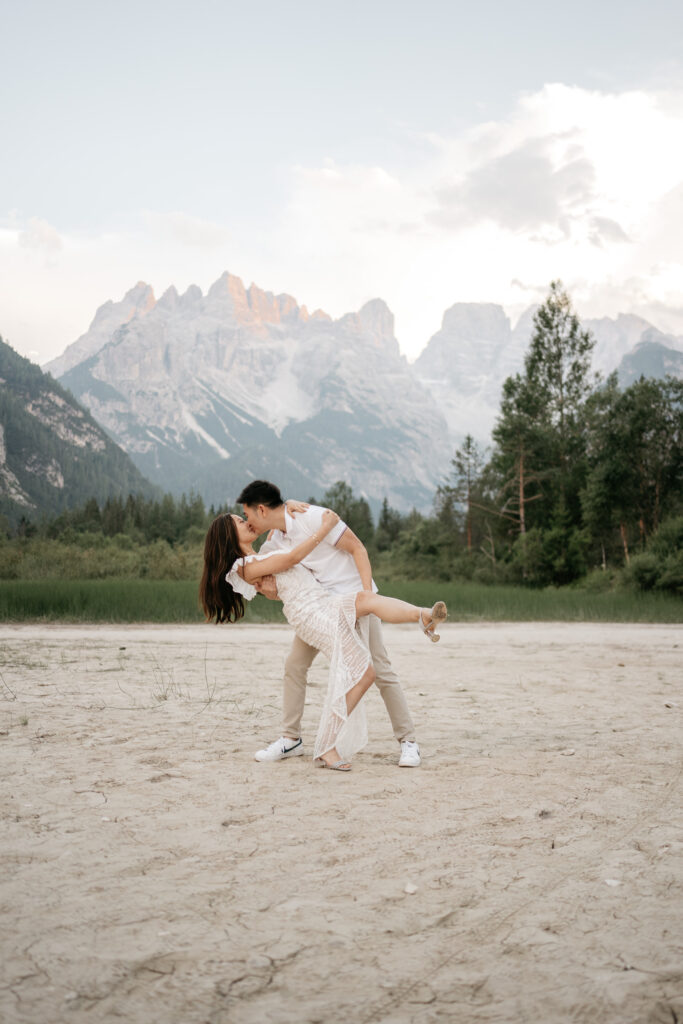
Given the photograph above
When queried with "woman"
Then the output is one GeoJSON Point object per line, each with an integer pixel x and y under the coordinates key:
{"type": "Point", "coordinates": [323, 619]}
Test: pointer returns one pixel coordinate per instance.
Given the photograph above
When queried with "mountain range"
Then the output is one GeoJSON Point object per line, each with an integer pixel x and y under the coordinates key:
{"type": "Point", "coordinates": [207, 391]}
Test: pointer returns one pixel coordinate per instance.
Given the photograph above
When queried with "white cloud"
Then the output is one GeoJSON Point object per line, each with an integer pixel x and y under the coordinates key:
{"type": "Point", "coordinates": [521, 190]}
{"type": "Point", "coordinates": [606, 230]}
{"type": "Point", "coordinates": [38, 234]}
{"type": "Point", "coordinates": [574, 184]}
{"type": "Point", "coordinates": [190, 231]}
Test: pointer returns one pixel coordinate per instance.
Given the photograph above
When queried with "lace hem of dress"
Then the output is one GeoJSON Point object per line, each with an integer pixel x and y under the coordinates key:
{"type": "Point", "coordinates": [349, 660]}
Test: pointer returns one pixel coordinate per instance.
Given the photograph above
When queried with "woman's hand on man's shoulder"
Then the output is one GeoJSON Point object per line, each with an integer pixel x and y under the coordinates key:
{"type": "Point", "coordinates": [296, 507]}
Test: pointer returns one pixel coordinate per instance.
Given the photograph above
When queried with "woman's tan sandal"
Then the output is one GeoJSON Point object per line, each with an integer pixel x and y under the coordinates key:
{"type": "Point", "coordinates": [338, 766]}
{"type": "Point", "coordinates": [437, 614]}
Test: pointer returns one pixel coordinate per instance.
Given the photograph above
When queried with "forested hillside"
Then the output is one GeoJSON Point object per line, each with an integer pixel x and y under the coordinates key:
{"type": "Point", "coordinates": [53, 455]}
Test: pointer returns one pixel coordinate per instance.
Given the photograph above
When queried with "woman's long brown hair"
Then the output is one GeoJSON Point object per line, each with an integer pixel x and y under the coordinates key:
{"type": "Point", "coordinates": [221, 549]}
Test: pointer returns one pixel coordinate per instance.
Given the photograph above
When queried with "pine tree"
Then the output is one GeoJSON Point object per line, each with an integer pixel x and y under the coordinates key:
{"type": "Point", "coordinates": [388, 526]}
{"type": "Point", "coordinates": [520, 454]}
{"type": "Point", "coordinates": [557, 368]}
{"type": "Point", "coordinates": [354, 511]}
{"type": "Point", "coordinates": [540, 437]}
{"type": "Point", "coordinates": [467, 465]}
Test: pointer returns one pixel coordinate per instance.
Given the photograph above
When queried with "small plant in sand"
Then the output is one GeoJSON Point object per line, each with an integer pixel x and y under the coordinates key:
{"type": "Point", "coordinates": [165, 686]}
{"type": "Point", "coordinates": [6, 691]}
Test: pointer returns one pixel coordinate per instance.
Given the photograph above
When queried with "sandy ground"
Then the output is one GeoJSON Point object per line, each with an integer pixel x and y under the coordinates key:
{"type": "Point", "coordinates": [530, 870]}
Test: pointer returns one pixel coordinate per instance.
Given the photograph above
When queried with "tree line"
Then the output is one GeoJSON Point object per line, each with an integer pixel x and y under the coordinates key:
{"type": "Point", "coordinates": [142, 520]}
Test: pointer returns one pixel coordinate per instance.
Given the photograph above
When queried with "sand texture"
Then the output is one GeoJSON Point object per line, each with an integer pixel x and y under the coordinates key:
{"type": "Point", "coordinates": [530, 870]}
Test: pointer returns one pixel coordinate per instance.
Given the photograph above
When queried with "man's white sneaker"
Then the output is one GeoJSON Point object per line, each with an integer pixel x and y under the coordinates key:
{"type": "Point", "coordinates": [410, 755]}
{"type": "Point", "coordinates": [280, 749]}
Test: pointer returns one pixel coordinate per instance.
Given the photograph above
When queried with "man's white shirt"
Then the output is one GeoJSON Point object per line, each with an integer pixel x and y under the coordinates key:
{"type": "Point", "coordinates": [333, 568]}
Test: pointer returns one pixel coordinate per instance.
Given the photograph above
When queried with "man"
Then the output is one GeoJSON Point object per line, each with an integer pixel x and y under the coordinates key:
{"type": "Point", "coordinates": [341, 564]}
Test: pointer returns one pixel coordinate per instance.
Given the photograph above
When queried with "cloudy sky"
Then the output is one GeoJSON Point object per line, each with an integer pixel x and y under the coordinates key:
{"type": "Point", "coordinates": [426, 152]}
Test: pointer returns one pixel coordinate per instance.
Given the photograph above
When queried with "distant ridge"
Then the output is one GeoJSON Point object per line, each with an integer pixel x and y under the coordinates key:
{"type": "Point", "coordinates": [650, 358]}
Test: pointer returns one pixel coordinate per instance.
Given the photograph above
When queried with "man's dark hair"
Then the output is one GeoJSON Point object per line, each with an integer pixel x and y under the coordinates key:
{"type": "Point", "coordinates": [260, 492]}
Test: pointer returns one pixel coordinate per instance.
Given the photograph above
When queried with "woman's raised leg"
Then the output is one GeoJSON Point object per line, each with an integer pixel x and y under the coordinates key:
{"type": "Point", "coordinates": [390, 609]}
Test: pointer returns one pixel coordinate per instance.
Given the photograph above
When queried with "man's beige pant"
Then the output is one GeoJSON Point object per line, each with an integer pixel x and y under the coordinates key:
{"type": "Point", "coordinates": [300, 659]}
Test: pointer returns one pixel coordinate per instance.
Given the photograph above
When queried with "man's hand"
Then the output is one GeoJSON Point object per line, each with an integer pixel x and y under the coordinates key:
{"type": "Point", "coordinates": [349, 542]}
{"type": "Point", "coordinates": [329, 520]}
{"type": "Point", "coordinates": [267, 586]}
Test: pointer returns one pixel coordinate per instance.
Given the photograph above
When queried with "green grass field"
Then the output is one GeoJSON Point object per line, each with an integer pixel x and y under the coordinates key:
{"type": "Point", "coordinates": [117, 600]}
{"type": "Point", "coordinates": [472, 602]}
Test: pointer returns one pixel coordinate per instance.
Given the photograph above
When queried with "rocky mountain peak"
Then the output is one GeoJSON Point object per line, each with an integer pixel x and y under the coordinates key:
{"type": "Point", "coordinates": [374, 323]}
{"type": "Point", "coordinates": [141, 297]}
{"type": "Point", "coordinates": [472, 336]}
{"type": "Point", "coordinates": [525, 323]}
{"type": "Point", "coordinates": [267, 308]}
{"type": "Point", "coordinates": [376, 319]}
{"type": "Point", "coordinates": [253, 306]}
{"type": "Point", "coordinates": [193, 295]}
{"type": "Point", "coordinates": [476, 320]}
{"type": "Point", "coordinates": [289, 309]}
{"type": "Point", "coordinates": [229, 292]}
{"type": "Point", "coordinates": [138, 301]}
{"type": "Point", "coordinates": [169, 300]}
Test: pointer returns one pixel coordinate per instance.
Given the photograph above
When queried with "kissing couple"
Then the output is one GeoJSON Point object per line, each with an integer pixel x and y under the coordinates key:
{"type": "Point", "coordinates": [321, 572]}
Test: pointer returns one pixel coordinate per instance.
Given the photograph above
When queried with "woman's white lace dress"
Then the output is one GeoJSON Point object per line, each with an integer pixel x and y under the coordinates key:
{"type": "Point", "coordinates": [327, 622]}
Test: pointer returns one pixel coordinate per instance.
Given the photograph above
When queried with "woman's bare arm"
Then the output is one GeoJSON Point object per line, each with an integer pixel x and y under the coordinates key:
{"type": "Point", "coordinates": [282, 560]}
